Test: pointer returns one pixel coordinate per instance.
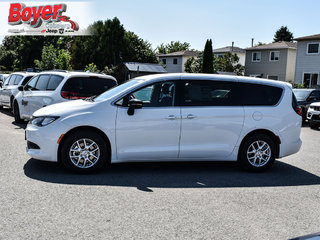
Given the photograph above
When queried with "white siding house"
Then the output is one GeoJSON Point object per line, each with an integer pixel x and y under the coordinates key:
{"type": "Point", "coordinates": [241, 53]}
{"type": "Point", "coordinates": [274, 61]}
{"type": "Point", "coordinates": [308, 61]}
{"type": "Point", "coordinates": [174, 62]}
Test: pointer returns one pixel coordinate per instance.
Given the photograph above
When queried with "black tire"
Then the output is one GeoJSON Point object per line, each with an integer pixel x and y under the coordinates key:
{"type": "Point", "coordinates": [71, 140]}
{"type": "Point", "coordinates": [11, 104]}
{"type": "Point", "coordinates": [243, 159]}
{"type": "Point", "coordinates": [1, 107]}
{"type": "Point", "coordinates": [313, 125]}
{"type": "Point", "coordinates": [16, 113]}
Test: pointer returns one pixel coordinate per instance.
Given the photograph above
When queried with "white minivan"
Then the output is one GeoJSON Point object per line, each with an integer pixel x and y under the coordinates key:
{"type": "Point", "coordinates": [10, 87]}
{"type": "Point", "coordinates": [58, 86]}
{"type": "Point", "coordinates": [171, 117]}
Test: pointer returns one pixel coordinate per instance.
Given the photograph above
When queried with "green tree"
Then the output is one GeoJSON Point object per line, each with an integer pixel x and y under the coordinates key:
{"type": "Point", "coordinates": [173, 46]}
{"type": "Point", "coordinates": [29, 48]}
{"type": "Point", "coordinates": [137, 49]}
{"type": "Point", "coordinates": [283, 34]}
{"type": "Point", "coordinates": [48, 58]}
{"type": "Point", "coordinates": [7, 59]}
{"type": "Point", "coordinates": [207, 65]}
{"type": "Point", "coordinates": [229, 63]}
{"type": "Point", "coordinates": [91, 68]}
{"type": "Point", "coordinates": [63, 60]}
{"type": "Point", "coordinates": [194, 65]}
{"type": "Point", "coordinates": [110, 45]}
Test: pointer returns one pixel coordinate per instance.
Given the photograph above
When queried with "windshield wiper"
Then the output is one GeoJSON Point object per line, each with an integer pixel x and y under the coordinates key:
{"type": "Point", "coordinates": [90, 99]}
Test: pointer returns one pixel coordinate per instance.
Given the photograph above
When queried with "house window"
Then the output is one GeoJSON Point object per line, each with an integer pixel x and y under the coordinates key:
{"type": "Point", "coordinates": [313, 48]}
{"type": "Point", "coordinates": [274, 56]}
{"type": "Point", "coordinates": [311, 80]}
{"type": "Point", "coordinates": [256, 75]}
{"type": "Point", "coordinates": [256, 56]}
{"type": "Point", "coordinates": [219, 55]}
{"type": "Point", "coordinates": [273, 77]}
{"type": "Point", "coordinates": [175, 61]}
{"type": "Point", "coordinates": [164, 61]}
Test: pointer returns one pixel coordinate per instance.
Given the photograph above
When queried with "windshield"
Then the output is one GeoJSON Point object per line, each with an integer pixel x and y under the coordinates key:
{"type": "Point", "coordinates": [301, 94]}
{"type": "Point", "coordinates": [116, 90]}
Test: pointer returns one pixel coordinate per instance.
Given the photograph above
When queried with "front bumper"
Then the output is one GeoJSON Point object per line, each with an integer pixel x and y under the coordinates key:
{"type": "Point", "coordinates": [46, 139]}
{"type": "Point", "coordinates": [313, 116]}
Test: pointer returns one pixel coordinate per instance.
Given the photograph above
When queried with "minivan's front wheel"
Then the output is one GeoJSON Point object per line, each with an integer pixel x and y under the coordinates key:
{"type": "Point", "coordinates": [257, 153]}
{"type": "Point", "coordinates": [84, 152]}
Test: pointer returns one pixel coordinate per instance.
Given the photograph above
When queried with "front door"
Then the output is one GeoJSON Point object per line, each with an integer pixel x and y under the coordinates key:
{"type": "Point", "coordinates": [212, 119]}
{"type": "Point", "coordinates": [153, 132]}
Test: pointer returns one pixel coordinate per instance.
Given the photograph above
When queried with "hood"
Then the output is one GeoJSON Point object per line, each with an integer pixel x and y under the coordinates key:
{"type": "Point", "coordinates": [65, 108]}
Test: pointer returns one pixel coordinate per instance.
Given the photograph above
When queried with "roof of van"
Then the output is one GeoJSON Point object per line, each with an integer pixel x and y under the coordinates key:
{"type": "Point", "coordinates": [200, 76]}
{"type": "Point", "coordinates": [77, 73]}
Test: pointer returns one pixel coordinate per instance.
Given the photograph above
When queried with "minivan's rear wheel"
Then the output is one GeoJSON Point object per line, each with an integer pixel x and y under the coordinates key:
{"type": "Point", "coordinates": [16, 113]}
{"type": "Point", "coordinates": [257, 153]}
{"type": "Point", "coordinates": [84, 152]}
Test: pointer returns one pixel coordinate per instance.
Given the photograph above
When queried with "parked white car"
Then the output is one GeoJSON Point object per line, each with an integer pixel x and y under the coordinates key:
{"type": "Point", "coordinates": [3, 78]}
{"type": "Point", "coordinates": [58, 86]}
{"type": "Point", "coordinates": [171, 117]}
{"type": "Point", "coordinates": [10, 87]}
{"type": "Point", "coordinates": [313, 115]}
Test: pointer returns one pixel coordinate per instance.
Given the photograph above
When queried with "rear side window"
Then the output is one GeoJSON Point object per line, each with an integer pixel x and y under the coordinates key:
{"type": "Point", "coordinates": [17, 80]}
{"type": "Point", "coordinates": [87, 86]}
{"type": "Point", "coordinates": [209, 93]}
{"type": "Point", "coordinates": [42, 83]}
{"type": "Point", "coordinates": [260, 95]}
{"type": "Point", "coordinates": [54, 82]}
{"type": "Point", "coordinates": [12, 80]}
{"type": "Point", "coordinates": [6, 82]}
{"type": "Point", "coordinates": [25, 80]}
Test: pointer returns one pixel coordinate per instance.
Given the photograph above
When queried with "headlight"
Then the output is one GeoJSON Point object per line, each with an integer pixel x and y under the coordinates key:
{"type": "Point", "coordinates": [43, 121]}
{"type": "Point", "coordinates": [311, 107]}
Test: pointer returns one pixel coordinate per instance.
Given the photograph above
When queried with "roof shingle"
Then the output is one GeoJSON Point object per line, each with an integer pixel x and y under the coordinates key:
{"type": "Point", "coordinates": [306, 38]}
{"type": "Point", "coordinates": [180, 53]}
{"type": "Point", "coordinates": [145, 67]}
{"type": "Point", "coordinates": [276, 45]}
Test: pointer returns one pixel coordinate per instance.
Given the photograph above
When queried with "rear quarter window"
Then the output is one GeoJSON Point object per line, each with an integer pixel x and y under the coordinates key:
{"type": "Point", "coordinates": [54, 82]}
{"type": "Point", "coordinates": [88, 86]}
{"type": "Point", "coordinates": [17, 80]}
{"type": "Point", "coordinates": [259, 94]}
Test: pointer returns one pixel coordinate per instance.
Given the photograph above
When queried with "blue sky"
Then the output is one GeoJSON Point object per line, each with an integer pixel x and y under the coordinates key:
{"type": "Point", "coordinates": [223, 21]}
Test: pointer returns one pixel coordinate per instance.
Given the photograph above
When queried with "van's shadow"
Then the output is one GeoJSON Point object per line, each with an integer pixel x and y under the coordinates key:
{"type": "Point", "coordinates": [174, 175]}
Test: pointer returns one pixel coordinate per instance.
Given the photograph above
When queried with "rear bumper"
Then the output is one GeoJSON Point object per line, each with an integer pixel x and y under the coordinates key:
{"type": "Point", "coordinates": [289, 148]}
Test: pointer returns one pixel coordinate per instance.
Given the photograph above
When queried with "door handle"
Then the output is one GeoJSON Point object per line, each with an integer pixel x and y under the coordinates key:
{"type": "Point", "coordinates": [172, 117]}
{"type": "Point", "coordinates": [191, 116]}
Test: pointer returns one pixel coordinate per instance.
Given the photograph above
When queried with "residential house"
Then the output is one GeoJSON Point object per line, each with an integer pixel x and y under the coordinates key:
{"type": "Point", "coordinates": [275, 61]}
{"type": "Point", "coordinates": [174, 62]}
{"type": "Point", "coordinates": [308, 61]}
{"type": "Point", "coordinates": [131, 70]}
{"type": "Point", "coordinates": [241, 53]}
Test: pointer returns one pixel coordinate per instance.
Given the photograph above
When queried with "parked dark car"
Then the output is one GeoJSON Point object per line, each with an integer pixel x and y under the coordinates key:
{"type": "Point", "coordinates": [305, 97]}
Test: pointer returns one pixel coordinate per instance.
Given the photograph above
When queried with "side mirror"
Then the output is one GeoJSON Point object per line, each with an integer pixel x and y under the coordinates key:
{"type": "Point", "coordinates": [134, 104]}
{"type": "Point", "coordinates": [20, 88]}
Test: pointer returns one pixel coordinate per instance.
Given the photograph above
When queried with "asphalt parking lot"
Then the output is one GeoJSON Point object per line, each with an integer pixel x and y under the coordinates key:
{"type": "Point", "coordinates": [41, 200]}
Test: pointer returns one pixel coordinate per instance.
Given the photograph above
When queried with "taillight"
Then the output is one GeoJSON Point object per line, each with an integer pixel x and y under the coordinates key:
{"type": "Point", "coordinates": [71, 95]}
{"type": "Point", "coordinates": [299, 111]}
